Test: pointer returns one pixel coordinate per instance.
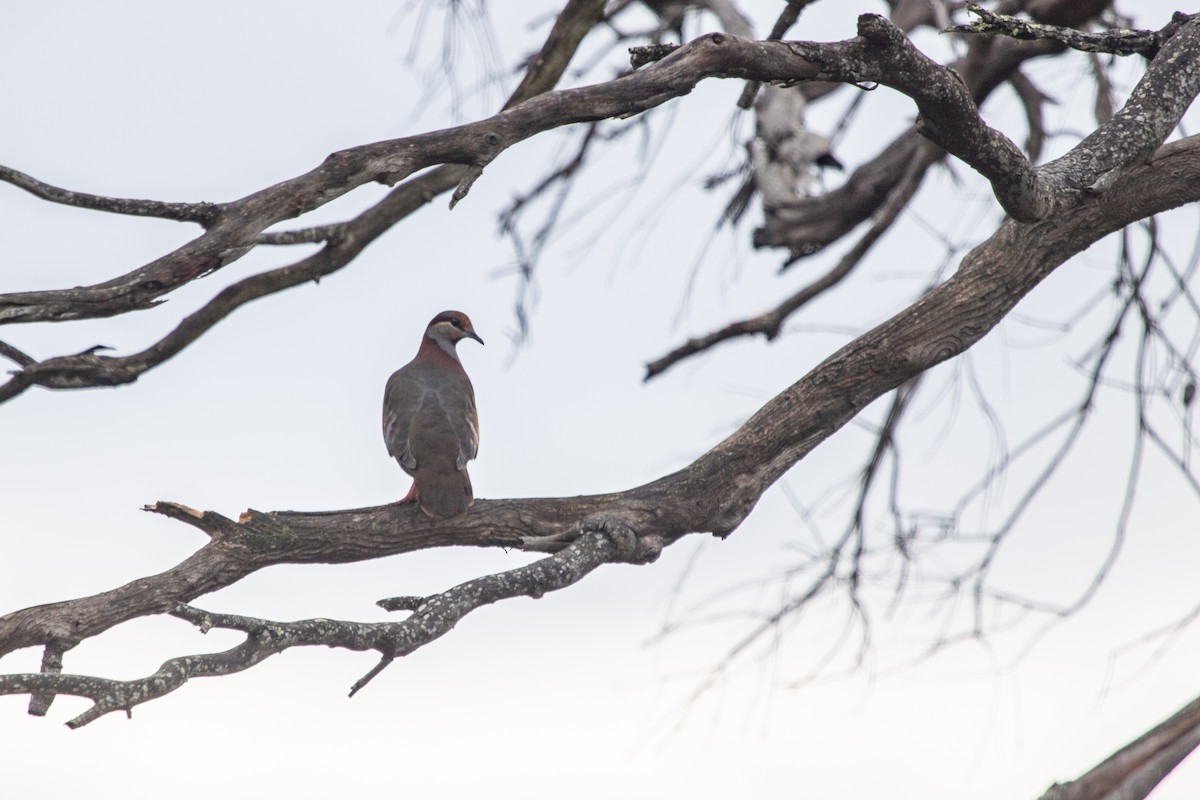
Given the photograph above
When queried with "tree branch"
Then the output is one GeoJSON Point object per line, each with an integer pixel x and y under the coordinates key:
{"type": "Point", "coordinates": [603, 540]}
{"type": "Point", "coordinates": [810, 224]}
{"type": "Point", "coordinates": [1117, 42]}
{"type": "Point", "coordinates": [1132, 772]}
{"type": "Point", "coordinates": [881, 53]}
{"type": "Point", "coordinates": [15, 355]}
{"type": "Point", "coordinates": [770, 323]}
{"type": "Point", "coordinates": [235, 226]}
{"type": "Point", "coordinates": [201, 213]}
{"type": "Point", "coordinates": [713, 494]}
{"type": "Point", "coordinates": [1145, 120]}
{"type": "Point", "coordinates": [950, 118]}
{"type": "Point", "coordinates": [1158, 102]}
{"type": "Point", "coordinates": [344, 241]}
{"type": "Point", "coordinates": [872, 57]}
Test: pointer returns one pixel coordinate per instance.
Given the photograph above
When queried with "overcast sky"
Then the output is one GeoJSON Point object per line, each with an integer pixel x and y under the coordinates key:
{"type": "Point", "coordinates": [277, 408]}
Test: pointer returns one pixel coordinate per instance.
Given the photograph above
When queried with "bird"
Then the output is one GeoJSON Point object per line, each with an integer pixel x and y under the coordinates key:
{"type": "Point", "coordinates": [430, 424]}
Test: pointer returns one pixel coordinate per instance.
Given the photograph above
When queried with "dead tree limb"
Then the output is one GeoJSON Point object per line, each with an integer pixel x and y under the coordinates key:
{"type": "Point", "coordinates": [713, 494]}
{"type": "Point", "coordinates": [880, 53]}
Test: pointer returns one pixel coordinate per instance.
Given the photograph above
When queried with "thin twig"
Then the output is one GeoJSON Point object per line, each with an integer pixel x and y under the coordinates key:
{"type": "Point", "coordinates": [201, 213]}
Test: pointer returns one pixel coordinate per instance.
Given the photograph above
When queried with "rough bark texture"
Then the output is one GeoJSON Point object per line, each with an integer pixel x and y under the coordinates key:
{"type": "Point", "coordinates": [881, 53]}
{"type": "Point", "coordinates": [714, 494]}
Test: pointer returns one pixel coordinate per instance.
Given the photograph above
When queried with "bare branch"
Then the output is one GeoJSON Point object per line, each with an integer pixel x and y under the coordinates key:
{"type": "Point", "coordinates": [949, 117]}
{"type": "Point", "coordinates": [771, 323]}
{"type": "Point", "coordinates": [783, 23]}
{"type": "Point", "coordinates": [875, 56]}
{"type": "Point", "coordinates": [200, 213]}
{"type": "Point", "coordinates": [344, 242]}
{"type": "Point", "coordinates": [314, 235]}
{"type": "Point", "coordinates": [701, 497]}
{"type": "Point", "coordinates": [544, 70]}
{"type": "Point", "coordinates": [808, 225]}
{"type": "Point", "coordinates": [1023, 187]}
{"type": "Point", "coordinates": [603, 540]}
{"type": "Point", "coordinates": [881, 53]}
{"type": "Point", "coordinates": [52, 656]}
{"type": "Point", "coordinates": [1132, 772]}
{"type": "Point", "coordinates": [1032, 99]}
{"type": "Point", "coordinates": [1164, 93]}
{"type": "Point", "coordinates": [15, 355]}
{"type": "Point", "coordinates": [1116, 42]}
{"type": "Point", "coordinates": [237, 549]}
{"type": "Point", "coordinates": [237, 225]}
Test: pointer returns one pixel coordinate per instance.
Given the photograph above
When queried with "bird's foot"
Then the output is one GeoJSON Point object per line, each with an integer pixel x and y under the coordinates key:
{"type": "Point", "coordinates": [631, 547]}
{"type": "Point", "coordinates": [411, 497]}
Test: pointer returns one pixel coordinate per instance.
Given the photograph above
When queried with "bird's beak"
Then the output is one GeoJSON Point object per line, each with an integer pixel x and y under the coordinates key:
{"type": "Point", "coordinates": [829, 161]}
{"type": "Point", "coordinates": [471, 334]}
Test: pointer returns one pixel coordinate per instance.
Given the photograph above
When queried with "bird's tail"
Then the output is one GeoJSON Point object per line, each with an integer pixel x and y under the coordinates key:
{"type": "Point", "coordinates": [444, 493]}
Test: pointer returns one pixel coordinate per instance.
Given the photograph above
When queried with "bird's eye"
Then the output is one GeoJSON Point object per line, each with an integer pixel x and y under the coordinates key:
{"type": "Point", "coordinates": [457, 323]}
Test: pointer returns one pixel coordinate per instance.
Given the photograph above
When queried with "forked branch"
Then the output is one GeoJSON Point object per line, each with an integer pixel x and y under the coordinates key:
{"type": "Point", "coordinates": [603, 541]}
{"type": "Point", "coordinates": [881, 53]}
{"type": "Point", "coordinates": [699, 498]}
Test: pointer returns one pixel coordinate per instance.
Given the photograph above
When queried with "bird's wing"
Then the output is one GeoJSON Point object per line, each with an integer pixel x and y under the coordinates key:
{"type": "Point", "coordinates": [468, 440]}
{"type": "Point", "coordinates": [401, 399]}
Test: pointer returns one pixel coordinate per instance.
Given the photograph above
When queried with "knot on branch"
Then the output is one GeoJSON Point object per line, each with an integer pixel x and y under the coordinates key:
{"type": "Point", "coordinates": [879, 30]}
{"type": "Point", "coordinates": [408, 602]}
{"type": "Point", "coordinates": [648, 54]}
{"type": "Point", "coordinates": [198, 617]}
{"type": "Point", "coordinates": [630, 548]}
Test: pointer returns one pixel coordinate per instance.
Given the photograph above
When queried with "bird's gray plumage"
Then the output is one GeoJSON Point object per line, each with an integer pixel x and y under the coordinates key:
{"type": "Point", "coordinates": [430, 423]}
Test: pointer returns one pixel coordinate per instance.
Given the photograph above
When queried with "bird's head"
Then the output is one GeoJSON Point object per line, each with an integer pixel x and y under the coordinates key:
{"type": "Point", "coordinates": [450, 328]}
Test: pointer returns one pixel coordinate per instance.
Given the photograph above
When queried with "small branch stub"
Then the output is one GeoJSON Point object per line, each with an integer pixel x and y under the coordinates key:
{"type": "Point", "coordinates": [648, 54]}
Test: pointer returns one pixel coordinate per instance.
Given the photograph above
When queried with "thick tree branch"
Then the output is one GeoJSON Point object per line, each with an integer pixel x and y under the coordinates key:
{"type": "Point", "coordinates": [875, 56]}
{"type": "Point", "coordinates": [810, 224]}
{"type": "Point", "coordinates": [880, 54]}
{"type": "Point", "coordinates": [1144, 121]}
{"type": "Point", "coordinates": [1132, 772]}
{"type": "Point", "coordinates": [603, 540]}
{"type": "Point", "coordinates": [344, 241]}
{"type": "Point", "coordinates": [237, 549]}
{"type": "Point", "coordinates": [1158, 102]}
{"type": "Point", "coordinates": [713, 494]}
{"type": "Point", "coordinates": [950, 118]}
{"type": "Point", "coordinates": [235, 226]}
{"type": "Point", "coordinates": [883, 54]}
